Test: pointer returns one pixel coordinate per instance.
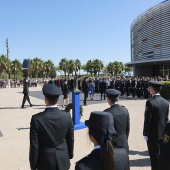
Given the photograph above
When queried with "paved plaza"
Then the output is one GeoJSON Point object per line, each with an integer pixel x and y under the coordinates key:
{"type": "Point", "coordinates": [15, 122]}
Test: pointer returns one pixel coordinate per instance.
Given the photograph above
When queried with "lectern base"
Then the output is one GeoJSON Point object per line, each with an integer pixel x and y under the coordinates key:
{"type": "Point", "coordinates": [80, 126]}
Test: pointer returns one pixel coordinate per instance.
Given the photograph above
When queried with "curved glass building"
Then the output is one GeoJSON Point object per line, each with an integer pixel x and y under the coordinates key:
{"type": "Point", "coordinates": [150, 42]}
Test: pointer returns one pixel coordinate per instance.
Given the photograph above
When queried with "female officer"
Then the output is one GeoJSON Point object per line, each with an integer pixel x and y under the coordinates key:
{"type": "Point", "coordinates": [105, 156]}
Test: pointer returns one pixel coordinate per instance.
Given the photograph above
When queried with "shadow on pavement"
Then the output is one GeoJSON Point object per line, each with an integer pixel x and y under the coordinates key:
{"type": "Point", "coordinates": [10, 107]}
{"type": "Point", "coordinates": [143, 153]}
{"type": "Point", "coordinates": [23, 128]}
{"type": "Point", "coordinates": [140, 162]}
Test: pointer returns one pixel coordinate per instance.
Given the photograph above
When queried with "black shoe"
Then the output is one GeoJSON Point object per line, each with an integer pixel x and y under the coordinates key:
{"type": "Point", "coordinates": [22, 107]}
{"type": "Point", "coordinates": [31, 105]}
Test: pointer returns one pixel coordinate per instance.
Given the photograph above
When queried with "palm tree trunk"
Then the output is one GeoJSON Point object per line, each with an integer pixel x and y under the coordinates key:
{"type": "Point", "coordinates": [65, 74]}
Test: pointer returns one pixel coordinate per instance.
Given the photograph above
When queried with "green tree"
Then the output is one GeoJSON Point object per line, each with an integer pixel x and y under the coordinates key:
{"type": "Point", "coordinates": [16, 67]}
{"type": "Point", "coordinates": [97, 66]}
{"type": "Point", "coordinates": [110, 68]}
{"type": "Point", "coordinates": [89, 67]}
{"type": "Point", "coordinates": [3, 65]}
{"type": "Point", "coordinates": [36, 66]}
{"type": "Point", "coordinates": [71, 67]}
{"type": "Point", "coordinates": [63, 66]}
{"type": "Point", "coordinates": [127, 69]}
{"type": "Point", "coordinates": [118, 66]}
{"type": "Point", "coordinates": [49, 67]}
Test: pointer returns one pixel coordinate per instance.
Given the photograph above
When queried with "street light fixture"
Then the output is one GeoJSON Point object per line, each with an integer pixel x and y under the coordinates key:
{"type": "Point", "coordinates": [7, 48]}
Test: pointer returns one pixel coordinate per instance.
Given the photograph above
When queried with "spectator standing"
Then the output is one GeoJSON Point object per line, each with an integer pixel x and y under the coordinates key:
{"type": "Point", "coordinates": [102, 87]}
{"type": "Point", "coordinates": [85, 89]}
{"type": "Point", "coordinates": [91, 89]}
{"type": "Point", "coordinates": [65, 93]}
{"type": "Point", "coordinates": [51, 81]}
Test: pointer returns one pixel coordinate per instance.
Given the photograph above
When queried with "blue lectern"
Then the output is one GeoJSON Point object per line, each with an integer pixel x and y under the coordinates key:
{"type": "Point", "coordinates": [76, 111]}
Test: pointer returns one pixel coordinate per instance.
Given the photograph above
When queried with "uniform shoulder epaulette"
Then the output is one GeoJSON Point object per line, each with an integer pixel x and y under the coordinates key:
{"type": "Point", "coordinates": [79, 161]}
{"type": "Point", "coordinates": [122, 106]}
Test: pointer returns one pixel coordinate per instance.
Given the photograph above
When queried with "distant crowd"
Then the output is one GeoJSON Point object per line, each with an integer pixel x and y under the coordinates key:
{"type": "Point", "coordinates": [128, 86]}
{"type": "Point", "coordinates": [18, 83]}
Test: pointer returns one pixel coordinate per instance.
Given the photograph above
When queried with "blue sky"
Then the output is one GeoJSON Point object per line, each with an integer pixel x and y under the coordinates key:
{"type": "Point", "coordinates": [72, 29]}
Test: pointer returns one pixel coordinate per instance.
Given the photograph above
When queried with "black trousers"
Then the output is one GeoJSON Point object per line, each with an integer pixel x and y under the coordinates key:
{"type": "Point", "coordinates": [85, 97]}
{"type": "Point", "coordinates": [154, 153]}
{"type": "Point", "coordinates": [26, 97]}
{"type": "Point", "coordinates": [138, 92]}
{"type": "Point", "coordinates": [103, 93]}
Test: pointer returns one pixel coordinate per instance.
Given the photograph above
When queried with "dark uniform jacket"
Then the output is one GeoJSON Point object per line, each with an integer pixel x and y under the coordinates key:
{"type": "Point", "coordinates": [102, 86]}
{"type": "Point", "coordinates": [165, 149]}
{"type": "Point", "coordinates": [51, 140]}
{"type": "Point", "coordinates": [156, 115]}
{"type": "Point", "coordinates": [93, 160]}
{"type": "Point", "coordinates": [26, 86]}
{"type": "Point", "coordinates": [122, 124]}
{"type": "Point", "coordinates": [85, 87]}
{"type": "Point", "coordinates": [65, 89]}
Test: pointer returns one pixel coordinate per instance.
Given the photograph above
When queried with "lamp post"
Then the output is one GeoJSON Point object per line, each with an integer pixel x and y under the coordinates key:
{"type": "Point", "coordinates": [7, 48]}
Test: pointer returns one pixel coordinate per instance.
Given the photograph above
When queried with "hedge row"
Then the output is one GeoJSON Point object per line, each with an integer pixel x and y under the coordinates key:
{"type": "Point", "coordinates": [165, 92]}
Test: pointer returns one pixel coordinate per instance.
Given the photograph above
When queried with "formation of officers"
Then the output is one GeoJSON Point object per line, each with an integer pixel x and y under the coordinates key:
{"type": "Point", "coordinates": [135, 86]}
{"type": "Point", "coordinates": [52, 133]}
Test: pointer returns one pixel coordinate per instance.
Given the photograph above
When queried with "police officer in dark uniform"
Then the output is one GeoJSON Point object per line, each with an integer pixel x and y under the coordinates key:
{"type": "Point", "coordinates": [118, 83]}
{"type": "Point", "coordinates": [105, 154]}
{"type": "Point", "coordinates": [26, 85]}
{"type": "Point", "coordinates": [122, 87]}
{"type": "Point", "coordinates": [138, 87]}
{"type": "Point", "coordinates": [51, 81]}
{"type": "Point", "coordinates": [133, 86]}
{"type": "Point", "coordinates": [85, 89]}
{"type": "Point", "coordinates": [164, 163]}
{"type": "Point", "coordinates": [103, 87]}
{"type": "Point", "coordinates": [120, 117]}
{"type": "Point", "coordinates": [127, 86]}
{"type": "Point", "coordinates": [146, 92]}
{"type": "Point", "coordinates": [51, 134]}
{"type": "Point", "coordinates": [96, 85]}
{"type": "Point", "coordinates": [142, 86]}
{"type": "Point", "coordinates": [112, 83]}
{"type": "Point", "coordinates": [156, 115]}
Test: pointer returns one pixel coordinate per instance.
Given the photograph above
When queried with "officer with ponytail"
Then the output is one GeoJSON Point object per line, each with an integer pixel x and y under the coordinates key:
{"type": "Point", "coordinates": [106, 155]}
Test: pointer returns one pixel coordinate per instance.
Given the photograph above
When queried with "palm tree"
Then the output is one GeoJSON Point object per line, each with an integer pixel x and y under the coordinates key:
{"type": "Point", "coordinates": [48, 67]}
{"type": "Point", "coordinates": [71, 67]}
{"type": "Point", "coordinates": [89, 67]}
{"type": "Point", "coordinates": [117, 68]}
{"type": "Point", "coordinates": [63, 66]}
{"type": "Point", "coordinates": [122, 67]}
{"type": "Point", "coordinates": [127, 69]}
{"type": "Point", "coordinates": [98, 66]}
{"type": "Point", "coordinates": [36, 66]}
{"type": "Point", "coordinates": [110, 68]}
{"type": "Point", "coordinates": [16, 67]}
{"type": "Point", "coordinates": [3, 64]}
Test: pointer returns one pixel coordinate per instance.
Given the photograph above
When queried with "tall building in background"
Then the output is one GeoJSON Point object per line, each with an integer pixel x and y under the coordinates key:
{"type": "Point", "coordinates": [150, 42]}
